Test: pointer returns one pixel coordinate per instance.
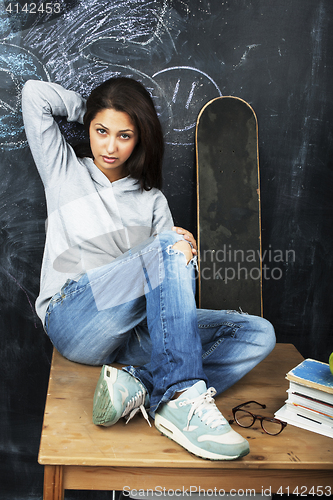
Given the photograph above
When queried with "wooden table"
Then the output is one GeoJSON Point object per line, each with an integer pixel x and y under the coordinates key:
{"type": "Point", "coordinates": [78, 455]}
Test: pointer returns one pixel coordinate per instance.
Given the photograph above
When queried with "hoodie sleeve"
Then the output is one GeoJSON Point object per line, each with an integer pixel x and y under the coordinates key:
{"type": "Point", "coordinates": [41, 101]}
{"type": "Point", "coordinates": [162, 218]}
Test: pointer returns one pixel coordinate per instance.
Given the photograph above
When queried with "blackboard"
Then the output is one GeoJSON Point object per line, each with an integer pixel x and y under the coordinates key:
{"type": "Point", "coordinates": [276, 55]}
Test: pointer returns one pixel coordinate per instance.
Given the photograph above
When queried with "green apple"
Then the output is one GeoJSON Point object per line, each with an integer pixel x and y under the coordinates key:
{"type": "Point", "coordinates": [330, 361]}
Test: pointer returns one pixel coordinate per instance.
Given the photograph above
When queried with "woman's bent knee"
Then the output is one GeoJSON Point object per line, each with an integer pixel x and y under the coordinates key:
{"type": "Point", "coordinates": [167, 238]}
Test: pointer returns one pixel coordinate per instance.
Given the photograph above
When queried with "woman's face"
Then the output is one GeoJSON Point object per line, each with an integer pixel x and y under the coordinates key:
{"type": "Point", "coordinates": [113, 137]}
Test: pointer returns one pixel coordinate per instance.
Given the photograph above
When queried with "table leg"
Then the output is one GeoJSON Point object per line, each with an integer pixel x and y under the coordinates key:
{"type": "Point", "coordinates": [53, 482]}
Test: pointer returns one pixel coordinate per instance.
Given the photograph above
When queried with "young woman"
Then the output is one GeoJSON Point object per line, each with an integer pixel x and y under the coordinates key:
{"type": "Point", "coordinates": [117, 281]}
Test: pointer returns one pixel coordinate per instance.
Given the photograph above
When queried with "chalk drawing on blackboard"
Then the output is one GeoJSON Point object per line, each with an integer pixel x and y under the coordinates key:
{"type": "Point", "coordinates": [145, 36]}
{"type": "Point", "coordinates": [17, 65]}
{"type": "Point", "coordinates": [246, 52]}
{"type": "Point", "coordinates": [125, 32]}
{"type": "Point", "coordinates": [128, 52]}
{"type": "Point", "coordinates": [5, 24]}
{"type": "Point", "coordinates": [187, 89]}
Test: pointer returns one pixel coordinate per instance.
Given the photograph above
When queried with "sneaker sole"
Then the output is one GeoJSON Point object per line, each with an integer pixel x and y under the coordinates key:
{"type": "Point", "coordinates": [104, 412]}
{"type": "Point", "coordinates": [172, 432]}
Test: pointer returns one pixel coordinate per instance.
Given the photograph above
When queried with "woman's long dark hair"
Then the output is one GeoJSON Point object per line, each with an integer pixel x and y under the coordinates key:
{"type": "Point", "coordinates": [131, 97]}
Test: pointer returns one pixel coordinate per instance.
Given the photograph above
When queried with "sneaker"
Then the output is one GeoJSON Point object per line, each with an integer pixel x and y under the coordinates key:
{"type": "Point", "coordinates": [118, 394]}
{"type": "Point", "coordinates": [194, 421]}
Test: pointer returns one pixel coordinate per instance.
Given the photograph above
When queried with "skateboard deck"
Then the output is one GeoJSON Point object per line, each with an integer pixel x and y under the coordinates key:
{"type": "Point", "coordinates": [228, 200]}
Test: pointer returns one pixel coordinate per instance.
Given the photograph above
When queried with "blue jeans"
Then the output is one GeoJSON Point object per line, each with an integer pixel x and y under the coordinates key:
{"type": "Point", "coordinates": [140, 310]}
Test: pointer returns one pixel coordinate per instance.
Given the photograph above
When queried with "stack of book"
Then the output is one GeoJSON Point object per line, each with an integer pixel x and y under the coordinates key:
{"type": "Point", "coordinates": [310, 398]}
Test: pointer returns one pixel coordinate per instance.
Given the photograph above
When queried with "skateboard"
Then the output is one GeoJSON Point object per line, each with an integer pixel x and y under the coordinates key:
{"type": "Point", "coordinates": [228, 201]}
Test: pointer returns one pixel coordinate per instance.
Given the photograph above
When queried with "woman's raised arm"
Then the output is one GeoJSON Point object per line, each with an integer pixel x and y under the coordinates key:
{"type": "Point", "coordinates": [41, 101]}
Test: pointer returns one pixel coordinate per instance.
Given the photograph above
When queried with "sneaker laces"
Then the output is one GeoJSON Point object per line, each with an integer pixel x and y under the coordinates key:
{"type": "Point", "coordinates": [204, 405]}
{"type": "Point", "coordinates": [134, 405]}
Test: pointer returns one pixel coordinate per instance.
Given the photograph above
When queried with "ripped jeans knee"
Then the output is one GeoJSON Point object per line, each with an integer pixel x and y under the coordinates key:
{"type": "Point", "coordinates": [185, 248]}
{"type": "Point", "coordinates": [174, 243]}
{"type": "Point", "coordinates": [189, 258]}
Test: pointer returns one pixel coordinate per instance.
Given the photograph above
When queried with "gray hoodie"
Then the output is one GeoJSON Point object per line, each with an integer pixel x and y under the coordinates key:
{"type": "Point", "coordinates": [91, 221]}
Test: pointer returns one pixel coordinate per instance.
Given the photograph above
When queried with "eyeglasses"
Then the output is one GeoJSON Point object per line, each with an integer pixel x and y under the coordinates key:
{"type": "Point", "coordinates": [245, 418]}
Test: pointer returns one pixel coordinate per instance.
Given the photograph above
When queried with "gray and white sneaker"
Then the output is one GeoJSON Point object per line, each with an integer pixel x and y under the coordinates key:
{"type": "Point", "coordinates": [118, 394]}
{"type": "Point", "coordinates": [194, 421]}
